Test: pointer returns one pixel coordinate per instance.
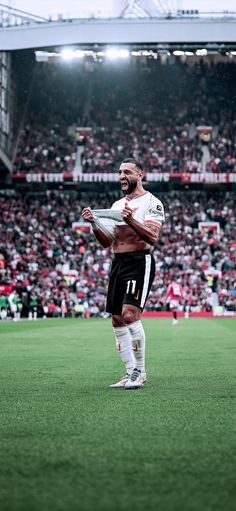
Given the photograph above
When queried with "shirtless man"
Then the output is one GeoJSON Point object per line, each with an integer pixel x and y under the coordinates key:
{"type": "Point", "coordinates": [133, 267]}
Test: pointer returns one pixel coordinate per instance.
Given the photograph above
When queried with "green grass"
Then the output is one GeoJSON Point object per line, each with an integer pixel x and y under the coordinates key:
{"type": "Point", "coordinates": [68, 442]}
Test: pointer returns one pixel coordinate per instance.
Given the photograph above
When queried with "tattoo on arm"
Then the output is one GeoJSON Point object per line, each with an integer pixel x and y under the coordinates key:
{"type": "Point", "coordinates": [154, 228]}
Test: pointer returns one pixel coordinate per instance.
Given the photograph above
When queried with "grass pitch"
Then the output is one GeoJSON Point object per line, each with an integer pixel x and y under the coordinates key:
{"type": "Point", "coordinates": [68, 442]}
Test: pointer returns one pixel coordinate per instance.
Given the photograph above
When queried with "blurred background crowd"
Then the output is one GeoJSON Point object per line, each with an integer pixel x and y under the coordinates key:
{"type": "Point", "coordinates": [156, 113]}
{"type": "Point", "coordinates": [175, 118]}
{"type": "Point", "coordinates": [59, 270]}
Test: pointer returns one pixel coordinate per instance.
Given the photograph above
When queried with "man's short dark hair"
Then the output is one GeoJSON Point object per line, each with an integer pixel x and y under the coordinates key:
{"type": "Point", "coordinates": [135, 162]}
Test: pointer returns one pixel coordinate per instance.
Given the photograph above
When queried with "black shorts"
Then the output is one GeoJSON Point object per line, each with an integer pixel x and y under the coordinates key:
{"type": "Point", "coordinates": [131, 277]}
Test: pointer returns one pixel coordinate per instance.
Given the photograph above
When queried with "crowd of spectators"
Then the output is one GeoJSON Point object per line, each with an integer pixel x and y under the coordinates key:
{"type": "Point", "coordinates": [45, 150]}
{"type": "Point", "coordinates": [51, 269]}
{"type": "Point", "coordinates": [148, 110]}
{"type": "Point", "coordinates": [142, 109]}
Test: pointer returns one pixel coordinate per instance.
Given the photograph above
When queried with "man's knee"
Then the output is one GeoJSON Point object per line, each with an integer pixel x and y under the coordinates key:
{"type": "Point", "coordinates": [130, 314]}
{"type": "Point", "coordinates": [117, 321]}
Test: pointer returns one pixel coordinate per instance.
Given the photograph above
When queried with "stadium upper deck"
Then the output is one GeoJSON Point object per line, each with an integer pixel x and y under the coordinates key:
{"type": "Point", "coordinates": [178, 119]}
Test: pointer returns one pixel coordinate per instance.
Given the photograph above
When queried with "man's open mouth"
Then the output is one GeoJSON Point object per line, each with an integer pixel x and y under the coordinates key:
{"type": "Point", "coordinates": [124, 183]}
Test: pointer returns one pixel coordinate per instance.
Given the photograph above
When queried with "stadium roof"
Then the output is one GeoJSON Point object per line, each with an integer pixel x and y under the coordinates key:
{"type": "Point", "coordinates": [118, 31]}
{"type": "Point", "coordinates": [117, 8]}
{"type": "Point", "coordinates": [21, 30]}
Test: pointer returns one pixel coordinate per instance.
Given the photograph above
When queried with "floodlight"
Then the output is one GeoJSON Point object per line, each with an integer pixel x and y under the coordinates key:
{"type": "Point", "coordinates": [114, 53]}
{"type": "Point", "coordinates": [202, 52]}
{"type": "Point", "coordinates": [178, 53]}
{"type": "Point", "coordinates": [67, 54]}
{"type": "Point", "coordinates": [41, 56]}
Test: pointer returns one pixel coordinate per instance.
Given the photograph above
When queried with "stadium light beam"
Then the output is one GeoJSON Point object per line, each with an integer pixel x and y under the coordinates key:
{"type": "Point", "coordinates": [79, 54]}
{"type": "Point", "coordinates": [124, 54]}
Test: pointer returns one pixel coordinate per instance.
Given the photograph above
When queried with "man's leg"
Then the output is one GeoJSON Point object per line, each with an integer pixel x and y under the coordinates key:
{"type": "Point", "coordinates": [131, 295]}
{"type": "Point", "coordinates": [175, 318]}
{"type": "Point", "coordinates": [131, 316]}
{"type": "Point", "coordinates": [124, 348]}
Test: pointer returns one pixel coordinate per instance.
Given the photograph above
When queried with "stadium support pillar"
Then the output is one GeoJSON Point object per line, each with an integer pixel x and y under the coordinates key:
{"type": "Point", "coordinates": [6, 106]}
{"type": "Point", "coordinates": [4, 158]}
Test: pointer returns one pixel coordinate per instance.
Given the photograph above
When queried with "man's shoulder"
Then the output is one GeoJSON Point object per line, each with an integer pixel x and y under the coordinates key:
{"type": "Point", "coordinates": [155, 204]}
{"type": "Point", "coordinates": [118, 203]}
{"type": "Point", "coordinates": [154, 198]}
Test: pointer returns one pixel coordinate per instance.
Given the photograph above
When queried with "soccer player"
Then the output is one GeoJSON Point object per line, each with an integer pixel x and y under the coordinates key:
{"type": "Point", "coordinates": [173, 296]}
{"type": "Point", "coordinates": [133, 267]}
{"type": "Point", "coordinates": [13, 304]}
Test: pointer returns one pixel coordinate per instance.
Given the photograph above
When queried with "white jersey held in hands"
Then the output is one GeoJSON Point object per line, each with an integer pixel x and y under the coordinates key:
{"type": "Point", "coordinates": [146, 209]}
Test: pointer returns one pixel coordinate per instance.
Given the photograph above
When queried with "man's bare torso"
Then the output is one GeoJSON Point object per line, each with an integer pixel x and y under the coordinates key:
{"type": "Point", "coordinates": [126, 240]}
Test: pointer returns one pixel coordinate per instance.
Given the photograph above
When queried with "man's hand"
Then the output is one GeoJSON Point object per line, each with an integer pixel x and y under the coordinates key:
{"type": "Point", "coordinates": [101, 236]}
{"type": "Point", "coordinates": [127, 213]}
{"type": "Point", "coordinates": [87, 215]}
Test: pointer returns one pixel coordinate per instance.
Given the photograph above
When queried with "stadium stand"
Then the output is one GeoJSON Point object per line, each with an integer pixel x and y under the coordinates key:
{"type": "Point", "coordinates": [183, 128]}
{"type": "Point", "coordinates": [80, 121]}
{"type": "Point", "coordinates": [56, 269]}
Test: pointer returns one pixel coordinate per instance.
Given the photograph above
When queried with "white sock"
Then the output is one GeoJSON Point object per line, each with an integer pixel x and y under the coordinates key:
{"type": "Point", "coordinates": [124, 347]}
{"type": "Point", "coordinates": [138, 343]}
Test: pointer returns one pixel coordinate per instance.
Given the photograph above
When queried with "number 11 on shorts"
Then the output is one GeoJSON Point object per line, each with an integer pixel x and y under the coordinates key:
{"type": "Point", "coordinates": [131, 285]}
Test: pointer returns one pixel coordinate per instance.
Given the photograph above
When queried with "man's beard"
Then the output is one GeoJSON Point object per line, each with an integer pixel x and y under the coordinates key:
{"type": "Point", "coordinates": [131, 187]}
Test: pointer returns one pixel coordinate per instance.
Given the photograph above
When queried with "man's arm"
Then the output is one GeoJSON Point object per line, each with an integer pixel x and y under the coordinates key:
{"type": "Point", "coordinates": [147, 232]}
{"type": "Point", "coordinates": [103, 239]}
